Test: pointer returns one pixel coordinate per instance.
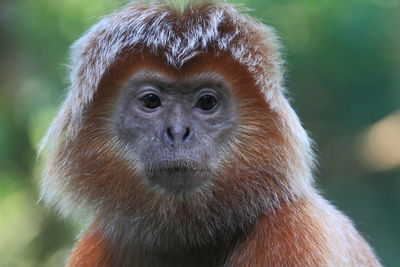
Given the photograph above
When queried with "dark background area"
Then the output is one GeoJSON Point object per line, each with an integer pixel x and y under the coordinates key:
{"type": "Point", "coordinates": [343, 75]}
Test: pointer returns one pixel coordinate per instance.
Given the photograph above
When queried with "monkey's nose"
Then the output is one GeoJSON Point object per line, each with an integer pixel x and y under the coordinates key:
{"type": "Point", "coordinates": [178, 134]}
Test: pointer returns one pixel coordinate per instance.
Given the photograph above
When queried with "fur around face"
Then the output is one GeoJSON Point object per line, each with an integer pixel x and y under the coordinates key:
{"type": "Point", "coordinates": [179, 37]}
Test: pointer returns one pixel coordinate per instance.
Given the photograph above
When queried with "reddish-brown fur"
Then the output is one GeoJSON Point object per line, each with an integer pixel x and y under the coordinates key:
{"type": "Point", "coordinates": [108, 180]}
{"type": "Point", "coordinates": [290, 235]}
{"type": "Point", "coordinates": [91, 250]}
{"type": "Point", "coordinates": [94, 139]}
{"type": "Point", "coordinates": [261, 208]}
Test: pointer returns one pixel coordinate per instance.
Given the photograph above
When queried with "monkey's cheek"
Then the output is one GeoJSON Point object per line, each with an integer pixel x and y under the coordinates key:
{"type": "Point", "coordinates": [178, 182]}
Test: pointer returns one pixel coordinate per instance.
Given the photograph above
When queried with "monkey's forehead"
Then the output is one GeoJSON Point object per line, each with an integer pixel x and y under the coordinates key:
{"type": "Point", "coordinates": [201, 71]}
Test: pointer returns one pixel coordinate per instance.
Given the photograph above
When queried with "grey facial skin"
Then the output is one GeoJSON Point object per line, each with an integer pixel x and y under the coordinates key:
{"type": "Point", "coordinates": [176, 128]}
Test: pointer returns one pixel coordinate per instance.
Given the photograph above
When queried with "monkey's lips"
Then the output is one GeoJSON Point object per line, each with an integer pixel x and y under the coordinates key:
{"type": "Point", "coordinates": [178, 178]}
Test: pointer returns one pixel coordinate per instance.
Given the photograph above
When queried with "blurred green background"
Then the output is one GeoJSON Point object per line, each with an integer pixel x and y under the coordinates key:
{"type": "Point", "coordinates": [343, 74]}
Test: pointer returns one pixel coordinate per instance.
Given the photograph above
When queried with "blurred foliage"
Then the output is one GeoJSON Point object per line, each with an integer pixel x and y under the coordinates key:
{"type": "Point", "coordinates": [343, 62]}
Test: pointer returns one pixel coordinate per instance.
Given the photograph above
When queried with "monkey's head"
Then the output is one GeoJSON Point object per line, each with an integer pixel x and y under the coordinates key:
{"type": "Point", "coordinates": [176, 125]}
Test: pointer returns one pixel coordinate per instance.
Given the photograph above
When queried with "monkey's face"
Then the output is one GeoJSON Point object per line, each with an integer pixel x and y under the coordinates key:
{"type": "Point", "coordinates": [189, 151]}
{"type": "Point", "coordinates": [176, 127]}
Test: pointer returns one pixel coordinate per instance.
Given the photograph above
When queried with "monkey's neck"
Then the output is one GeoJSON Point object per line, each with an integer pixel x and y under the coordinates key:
{"type": "Point", "coordinates": [210, 256]}
{"type": "Point", "coordinates": [94, 249]}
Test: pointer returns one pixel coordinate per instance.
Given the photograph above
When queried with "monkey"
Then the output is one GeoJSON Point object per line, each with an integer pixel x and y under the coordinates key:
{"type": "Point", "coordinates": [177, 141]}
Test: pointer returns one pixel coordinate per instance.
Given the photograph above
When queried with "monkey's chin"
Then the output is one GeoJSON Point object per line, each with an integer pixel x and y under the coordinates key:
{"type": "Point", "coordinates": [178, 181]}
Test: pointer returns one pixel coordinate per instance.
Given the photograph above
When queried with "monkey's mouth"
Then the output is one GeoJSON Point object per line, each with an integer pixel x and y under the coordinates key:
{"type": "Point", "coordinates": [178, 178]}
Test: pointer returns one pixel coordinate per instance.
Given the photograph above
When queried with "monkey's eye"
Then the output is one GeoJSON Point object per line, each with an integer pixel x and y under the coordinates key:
{"type": "Point", "coordinates": [206, 102]}
{"type": "Point", "coordinates": [151, 101]}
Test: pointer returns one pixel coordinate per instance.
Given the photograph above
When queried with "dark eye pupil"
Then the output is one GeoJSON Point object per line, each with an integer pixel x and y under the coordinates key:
{"type": "Point", "coordinates": [151, 101]}
{"type": "Point", "coordinates": [206, 102]}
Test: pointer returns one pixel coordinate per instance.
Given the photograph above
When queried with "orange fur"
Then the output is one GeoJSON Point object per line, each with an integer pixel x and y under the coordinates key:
{"type": "Point", "coordinates": [260, 209]}
{"type": "Point", "coordinates": [91, 250]}
{"type": "Point", "coordinates": [294, 234]}
{"type": "Point", "coordinates": [302, 234]}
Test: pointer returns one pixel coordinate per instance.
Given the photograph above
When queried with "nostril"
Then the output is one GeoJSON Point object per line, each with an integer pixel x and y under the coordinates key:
{"type": "Point", "coordinates": [186, 135]}
{"type": "Point", "coordinates": [176, 135]}
{"type": "Point", "coordinates": [169, 134]}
